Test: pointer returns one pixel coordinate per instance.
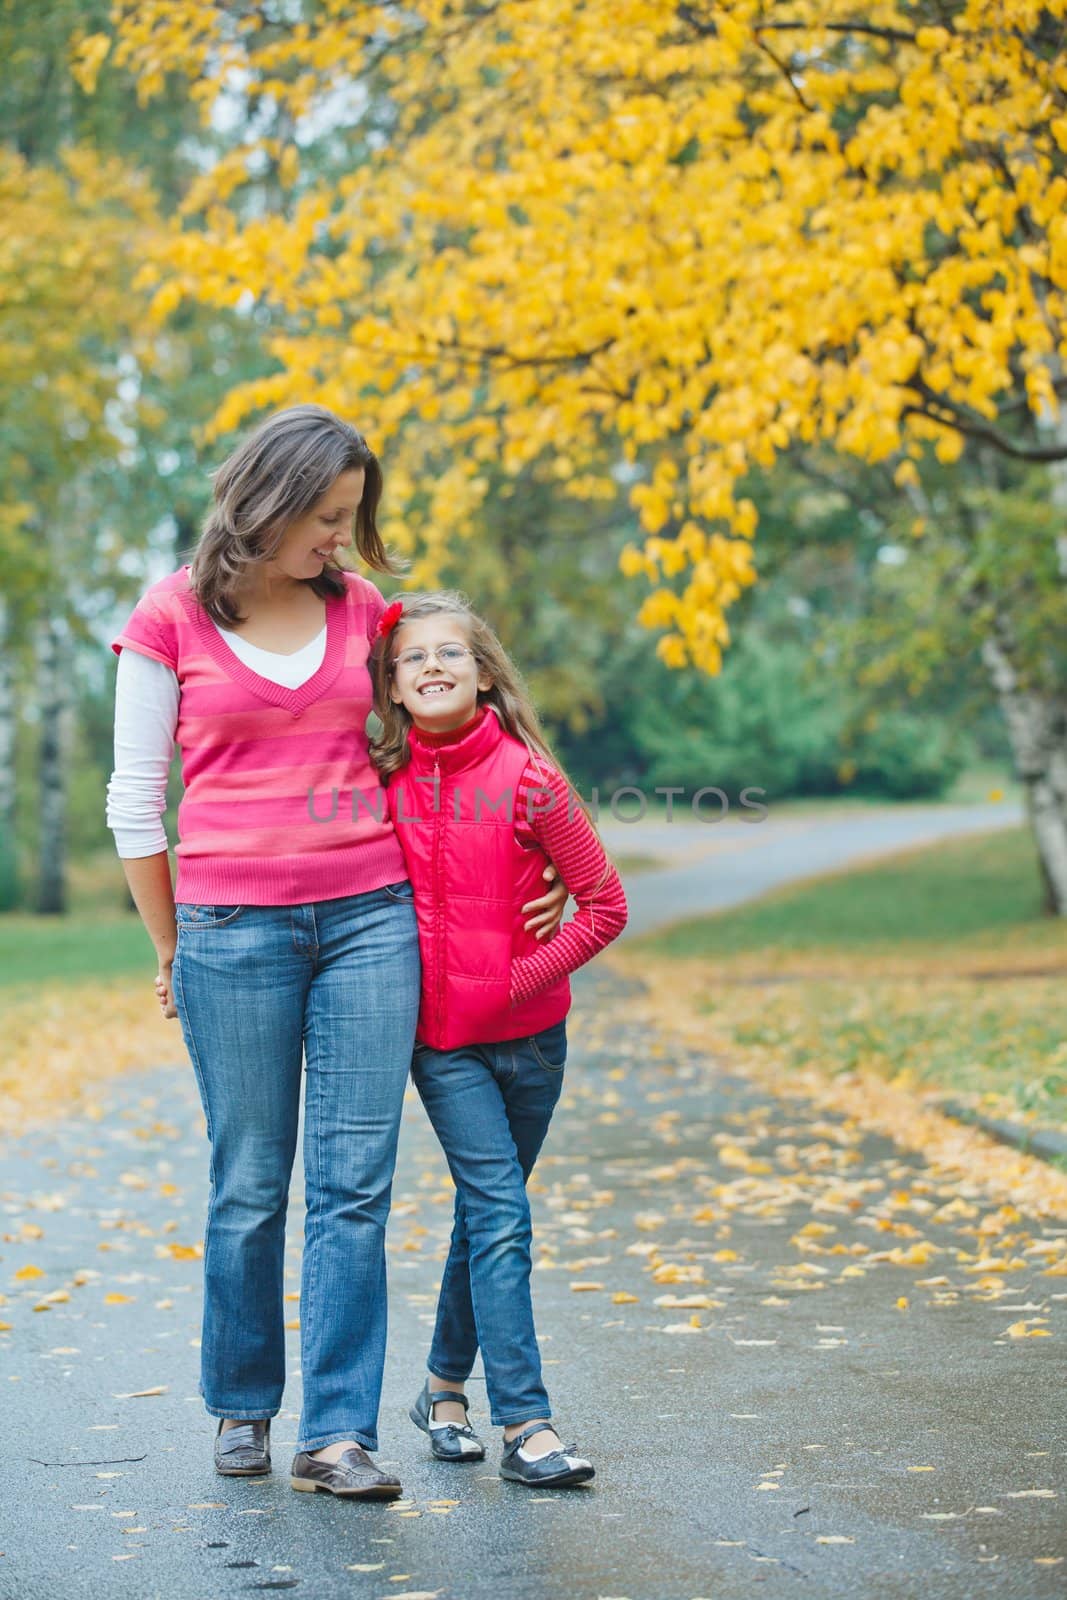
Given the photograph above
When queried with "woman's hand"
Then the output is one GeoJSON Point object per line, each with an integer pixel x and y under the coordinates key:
{"type": "Point", "coordinates": [546, 914]}
{"type": "Point", "coordinates": [165, 989]}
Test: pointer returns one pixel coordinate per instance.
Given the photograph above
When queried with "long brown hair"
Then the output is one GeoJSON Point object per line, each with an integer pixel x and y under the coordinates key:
{"type": "Point", "coordinates": [277, 474]}
{"type": "Point", "coordinates": [508, 694]}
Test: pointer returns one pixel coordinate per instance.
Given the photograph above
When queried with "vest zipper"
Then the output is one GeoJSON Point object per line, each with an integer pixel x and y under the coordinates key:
{"type": "Point", "coordinates": [438, 900]}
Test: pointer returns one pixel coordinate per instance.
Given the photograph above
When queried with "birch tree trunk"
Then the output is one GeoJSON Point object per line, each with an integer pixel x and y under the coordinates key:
{"type": "Point", "coordinates": [1035, 717]}
{"type": "Point", "coordinates": [1042, 723]}
{"type": "Point", "coordinates": [1037, 731]}
{"type": "Point", "coordinates": [8, 726]}
{"type": "Point", "coordinates": [51, 768]}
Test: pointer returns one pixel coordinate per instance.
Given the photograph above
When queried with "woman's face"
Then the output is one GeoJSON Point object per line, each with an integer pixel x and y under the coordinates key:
{"type": "Point", "coordinates": [309, 542]}
{"type": "Point", "coordinates": [439, 695]}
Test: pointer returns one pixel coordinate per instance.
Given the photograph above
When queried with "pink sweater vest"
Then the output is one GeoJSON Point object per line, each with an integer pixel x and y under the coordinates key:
{"type": "Point", "coordinates": [471, 876]}
{"type": "Point", "coordinates": [280, 795]}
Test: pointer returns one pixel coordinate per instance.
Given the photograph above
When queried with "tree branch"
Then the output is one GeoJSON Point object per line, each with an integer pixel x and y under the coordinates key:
{"type": "Point", "coordinates": [498, 354]}
{"type": "Point", "coordinates": [892, 35]}
{"type": "Point", "coordinates": [988, 435]}
{"type": "Point", "coordinates": [706, 26]}
{"type": "Point", "coordinates": [784, 69]}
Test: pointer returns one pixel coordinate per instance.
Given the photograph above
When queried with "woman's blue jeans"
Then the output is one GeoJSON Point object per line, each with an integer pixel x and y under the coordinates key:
{"type": "Point", "coordinates": [257, 988]}
{"type": "Point", "coordinates": [490, 1106]}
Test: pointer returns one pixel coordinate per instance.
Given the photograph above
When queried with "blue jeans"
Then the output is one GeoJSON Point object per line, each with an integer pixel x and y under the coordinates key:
{"type": "Point", "coordinates": [490, 1105]}
{"type": "Point", "coordinates": [256, 988]}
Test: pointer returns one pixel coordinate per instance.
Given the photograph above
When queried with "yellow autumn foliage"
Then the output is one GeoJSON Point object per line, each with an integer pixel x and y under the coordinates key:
{"type": "Point", "coordinates": [697, 233]}
{"type": "Point", "coordinates": [70, 232]}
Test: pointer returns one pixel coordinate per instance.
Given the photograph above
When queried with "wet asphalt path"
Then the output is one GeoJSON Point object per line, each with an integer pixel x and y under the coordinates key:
{"type": "Point", "coordinates": [711, 865]}
{"type": "Point", "coordinates": [795, 1432]}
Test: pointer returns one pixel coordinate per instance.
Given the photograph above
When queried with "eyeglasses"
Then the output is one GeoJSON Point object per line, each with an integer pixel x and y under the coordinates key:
{"type": "Point", "coordinates": [446, 655]}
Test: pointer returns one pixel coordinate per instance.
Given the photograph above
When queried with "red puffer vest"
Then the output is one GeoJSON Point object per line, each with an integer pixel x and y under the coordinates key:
{"type": "Point", "coordinates": [454, 810]}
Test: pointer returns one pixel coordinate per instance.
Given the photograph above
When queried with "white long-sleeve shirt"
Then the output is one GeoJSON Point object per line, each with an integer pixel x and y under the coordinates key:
{"type": "Point", "coordinates": [147, 696]}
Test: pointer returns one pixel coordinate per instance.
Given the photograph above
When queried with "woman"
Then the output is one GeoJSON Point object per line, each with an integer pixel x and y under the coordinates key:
{"type": "Point", "coordinates": [290, 930]}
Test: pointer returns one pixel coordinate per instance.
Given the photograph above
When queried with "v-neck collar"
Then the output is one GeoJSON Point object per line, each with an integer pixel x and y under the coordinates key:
{"type": "Point", "coordinates": [276, 694]}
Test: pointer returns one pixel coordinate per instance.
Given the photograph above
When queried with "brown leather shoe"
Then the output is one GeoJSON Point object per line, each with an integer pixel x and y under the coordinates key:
{"type": "Point", "coordinates": [355, 1476]}
{"type": "Point", "coordinates": [243, 1451]}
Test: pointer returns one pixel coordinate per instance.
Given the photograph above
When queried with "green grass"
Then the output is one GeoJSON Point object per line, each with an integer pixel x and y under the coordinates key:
{"type": "Point", "coordinates": [874, 970]}
{"type": "Point", "coordinates": [984, 785]}
{"type": "Point", "coordinates": [105, 944]}
{"type": "Point", "coordinates": [632, 866]}
{"type": "Point", "coordinates": [977, 889]}
{"type": "Point", "coordinates": [969, 1039]}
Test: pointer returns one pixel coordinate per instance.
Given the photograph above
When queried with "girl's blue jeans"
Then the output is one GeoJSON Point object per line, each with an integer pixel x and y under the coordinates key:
{"type": "Point", "coordinates": [257, 988]}
{"type": "Point", "coordinates": [490, 1106]}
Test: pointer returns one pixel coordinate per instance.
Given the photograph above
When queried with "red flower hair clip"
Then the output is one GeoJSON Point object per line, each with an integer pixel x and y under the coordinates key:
{"type": "Point", "coordinates": [389, 618]}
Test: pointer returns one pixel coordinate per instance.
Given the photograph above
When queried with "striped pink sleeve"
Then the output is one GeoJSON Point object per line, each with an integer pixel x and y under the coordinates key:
{"type": "Point", "coordinates": [375, 607]}
{"type": "Point", "coordinates": [547, 811]}
{"type": "Point", "coordinates": [150, 632]}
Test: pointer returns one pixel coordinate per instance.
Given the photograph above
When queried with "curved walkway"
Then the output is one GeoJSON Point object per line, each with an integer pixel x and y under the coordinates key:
{"type": "Point", "coordinates": [714, 865]}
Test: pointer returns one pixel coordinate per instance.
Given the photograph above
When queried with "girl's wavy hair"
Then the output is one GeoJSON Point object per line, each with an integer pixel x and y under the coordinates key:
{"type": "Point", "coordinates": [508, 694]}
{"type": "Point", "coordinates": [276, 475]}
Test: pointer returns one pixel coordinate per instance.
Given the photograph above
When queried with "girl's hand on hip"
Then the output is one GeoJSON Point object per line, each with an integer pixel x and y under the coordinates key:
{"type": "Point", "coordinates": [165, 989]}
{"type": "Point", "coordinates": [546, 914]}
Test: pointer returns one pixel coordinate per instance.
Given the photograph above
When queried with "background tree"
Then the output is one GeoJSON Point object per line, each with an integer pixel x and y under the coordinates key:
{"type": "Point", "coordinates": [65, 321]}
{"type": "Point", "coordinates": [715, 233]}
{"type": "Point", "coordinates": [100, 463]}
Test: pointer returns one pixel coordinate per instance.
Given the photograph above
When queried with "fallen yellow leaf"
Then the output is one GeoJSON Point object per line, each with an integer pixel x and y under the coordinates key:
{"type": "Point", "coordinates": [677, 1272]}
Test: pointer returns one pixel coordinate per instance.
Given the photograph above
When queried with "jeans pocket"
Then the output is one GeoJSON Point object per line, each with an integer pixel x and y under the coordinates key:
{"type": "Point", "coordinates": [550, 1047]}
{"type": "Point", "coordinates": [401, 892]}
{"type": "Point", "coordinates": [194, 916]}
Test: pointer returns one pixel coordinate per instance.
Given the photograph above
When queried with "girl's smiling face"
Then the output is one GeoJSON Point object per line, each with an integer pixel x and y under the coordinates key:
{"type": "Point", "coordinates": [439, 695]}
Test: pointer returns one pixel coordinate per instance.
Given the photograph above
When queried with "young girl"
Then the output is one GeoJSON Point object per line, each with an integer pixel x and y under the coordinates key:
{"type": "Point", "coordinates": [479, 806]}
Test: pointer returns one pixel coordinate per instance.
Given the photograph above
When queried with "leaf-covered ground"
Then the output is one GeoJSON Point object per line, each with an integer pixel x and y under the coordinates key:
{"type": "Point", "coordinates": [65, 1041]}
{"type": "Point", "coordinates": [803, 1354]}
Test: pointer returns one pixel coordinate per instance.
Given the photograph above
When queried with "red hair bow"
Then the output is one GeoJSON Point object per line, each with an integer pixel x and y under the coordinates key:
{"type": "Point", "coordinates": [389, 618]}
